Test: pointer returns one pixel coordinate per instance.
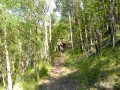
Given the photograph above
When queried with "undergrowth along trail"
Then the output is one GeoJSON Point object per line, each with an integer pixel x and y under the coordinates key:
{"type": "Point", "coordinates": [58, 77]}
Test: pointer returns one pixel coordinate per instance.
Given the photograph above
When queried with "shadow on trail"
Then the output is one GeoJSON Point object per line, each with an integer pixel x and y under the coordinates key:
{"type": "Point", "coordinates": [69, 82]}
{"type": "Point", "coordinates": [61, 77]}
{"type": "Point", "coordinates": [74, 81]}
{"type": "Point", "coordinates": [89, 76]}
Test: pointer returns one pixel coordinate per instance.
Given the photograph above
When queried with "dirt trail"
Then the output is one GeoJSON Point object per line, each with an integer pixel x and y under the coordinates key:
{"type": "Point", "coordinates": [58, 78]}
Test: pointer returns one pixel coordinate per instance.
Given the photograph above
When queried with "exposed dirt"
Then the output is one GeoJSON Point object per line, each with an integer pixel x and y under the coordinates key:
{"type": "Point", "coordinates": [58, 78]}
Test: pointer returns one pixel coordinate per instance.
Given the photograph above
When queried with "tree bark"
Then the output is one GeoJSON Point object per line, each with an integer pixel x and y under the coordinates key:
{"type": "Point", "coordinates": [50, 38]}
{"type": "Point", "coordinates": [81, 38]}
{"type": "Point", "coordinates": [112, 24]}
{"type": "Point", "coordinates": [91, 41]}
{"type": "Point", "coordinates": [7, 57]}
{"type": "Point", "coordinates": [86, 39]}
{"type": "Point", "coordinates": [71, 34]}
{"type": "Point", "coordinates": [46, 38]}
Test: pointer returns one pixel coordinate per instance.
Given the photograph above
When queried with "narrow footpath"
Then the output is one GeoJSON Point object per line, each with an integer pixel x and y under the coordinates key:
{"type": "Point", "coordinates": [59, 77]}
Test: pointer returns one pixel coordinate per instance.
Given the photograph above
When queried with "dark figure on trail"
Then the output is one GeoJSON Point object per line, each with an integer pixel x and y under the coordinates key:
{"type": "Point", "coordinates": [61, 46]}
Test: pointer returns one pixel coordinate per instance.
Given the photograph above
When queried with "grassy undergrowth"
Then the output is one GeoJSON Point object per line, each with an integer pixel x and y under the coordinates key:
{"type": "Point", "coordinates": [97, 72]}
{"type": "Point", "coordinates": [29, 81]}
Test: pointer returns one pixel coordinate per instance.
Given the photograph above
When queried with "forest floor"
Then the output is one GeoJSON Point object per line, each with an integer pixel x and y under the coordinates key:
{"type": "Point", "coordinates": [60, 76]}
{"type": "Point", "coordinates": [78, 73]}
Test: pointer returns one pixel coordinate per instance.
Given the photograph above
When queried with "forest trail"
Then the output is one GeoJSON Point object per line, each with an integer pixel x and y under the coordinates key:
{"type": "Point", "coordinates": [58, 78]}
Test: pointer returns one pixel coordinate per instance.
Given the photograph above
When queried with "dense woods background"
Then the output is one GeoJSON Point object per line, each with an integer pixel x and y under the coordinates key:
{"type": "Point", "coordinates": [29, 35]}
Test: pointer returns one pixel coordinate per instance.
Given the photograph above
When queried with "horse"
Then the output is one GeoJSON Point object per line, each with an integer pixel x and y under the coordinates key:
{"type": "Point", "coordinates": [61, 47]}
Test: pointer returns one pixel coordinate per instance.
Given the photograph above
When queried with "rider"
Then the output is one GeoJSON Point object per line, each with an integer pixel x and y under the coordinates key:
{"type": "Point", "coordinates": [59, 43]}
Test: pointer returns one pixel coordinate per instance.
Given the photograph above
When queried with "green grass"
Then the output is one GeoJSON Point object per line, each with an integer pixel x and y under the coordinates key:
{"type": "Point", "coordinates": [44, 68]}
{"type": "Point", "coordinates": [95, 70]}
{"type": "Point", "coordinates": [29, 82]}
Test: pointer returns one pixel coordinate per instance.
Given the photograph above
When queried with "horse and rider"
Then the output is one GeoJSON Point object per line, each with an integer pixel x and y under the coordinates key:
{"type": "Point", "coordinates": [61, 46]}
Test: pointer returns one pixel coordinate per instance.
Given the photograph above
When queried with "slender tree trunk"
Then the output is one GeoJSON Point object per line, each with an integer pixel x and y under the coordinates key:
{"type": "Point", "coordinates": [86, 35]}
{"type": "Point", "coordinates": [91, 41]}
{"type": "Point", "coordinates": [98, 43]}
{"type": "Point", "coordinates": [86, 39]}
{"type": "Point", "coordinates": [112, 18]}
{"type": "Point", "coordinates": [81, 38]}
{"type": "Point", "coordinates": [71, 34]}
{"type": "Point", "coordinates": [46, 39]}
{"type": "Point", "coordinates": [7, 58]}
{"type": "Point", "coordinates": [50, 38]}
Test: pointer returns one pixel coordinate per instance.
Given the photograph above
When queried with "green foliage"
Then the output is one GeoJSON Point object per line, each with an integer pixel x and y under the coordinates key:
{"type": "Point", "coordinates": [44, 69]}
{"type": "Point", "coordinates": [1, 88]}
{"type": "Point", "coordinates": [60, 31]}
{"type": "Point", "coordinates": [23, 21]}
{"type": "Point", "coordinates": [29, 82]}
{"type": "Point", "coordinates": [29, 86]}
{"type": "Point", "coordinates": [96, 69]}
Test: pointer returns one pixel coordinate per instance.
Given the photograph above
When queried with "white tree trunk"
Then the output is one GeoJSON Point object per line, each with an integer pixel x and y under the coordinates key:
{"type": "Point", "coordinates": [91, 40]}
{"type": "Point", "coordinates": [86, 39]}
{"type": "Point", "coordinates": [71, 34]}
{"type": "Point", "coordinates": [50, 37]}
{"type": "Point", "coordinates": [112, 17]}
{"type": "Point", "coordinates": [7, 58]}
{"type": "Point", "coordinates": [46, 39]}
{"type": "Point", "coordinates": [81, 38]}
